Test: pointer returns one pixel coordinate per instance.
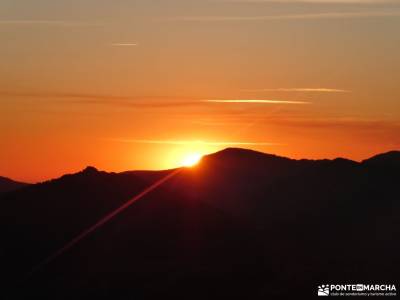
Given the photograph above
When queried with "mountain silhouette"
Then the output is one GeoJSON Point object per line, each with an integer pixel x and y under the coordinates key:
{"type": "Point", "coordinates": [241, 224]}
{"type": "Point", "coordinates": [389, 159]}
{"type": "Point", "coordinates": [8, 185]}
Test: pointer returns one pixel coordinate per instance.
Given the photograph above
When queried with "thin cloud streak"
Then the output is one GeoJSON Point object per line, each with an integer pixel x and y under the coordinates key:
{"type": "Point", "coordinates": [326, 15]}
{"type": "Point", "coordinates": [124, 44]}
{"type": "Point", "coordinates": [189, 142]}
{"type": "Point", "coordinates": [139, 102]}
{"type": "Point", "coordinates": [101, 99]}
{"type": "Point", "coordinates": [50, 94]}
{"type": "Point", "coordinates": [47, 22]}
{"type": "Point", "coordinates": [314, 1]}
{"type": "Point", "coordinates": [319, 90]}
{"type": "Point", "coordinates": [256, 101]}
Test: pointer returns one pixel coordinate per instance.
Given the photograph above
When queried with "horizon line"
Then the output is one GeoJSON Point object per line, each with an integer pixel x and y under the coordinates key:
{"type": "Point", "coordinates": [161, 170]}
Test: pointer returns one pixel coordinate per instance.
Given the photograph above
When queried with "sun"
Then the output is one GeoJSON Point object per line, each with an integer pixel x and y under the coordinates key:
{"type": "Point", "coordinates": [191, 159]}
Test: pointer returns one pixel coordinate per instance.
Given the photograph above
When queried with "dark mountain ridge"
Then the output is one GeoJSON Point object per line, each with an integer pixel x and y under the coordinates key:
{"type": "Point", "coordinates": [388, 159]}
{"type": "Point", "coordinates": [9, 185]}
{"type": "Point", "coordinates": [240, 224]}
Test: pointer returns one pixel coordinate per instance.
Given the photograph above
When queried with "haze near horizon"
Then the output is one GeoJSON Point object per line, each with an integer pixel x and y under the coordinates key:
{"type": "Point", "coordinates": [136, 85]}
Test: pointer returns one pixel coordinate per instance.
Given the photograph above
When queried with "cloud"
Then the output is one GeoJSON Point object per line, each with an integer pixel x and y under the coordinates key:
{"type": "Point", "coordinates": [195, 142]}
{"type": "Point", "coordinates": [41, 94]}
{"type": "Point", "coordinates": [329, 122]}
{"type": "Point", "coordinates": [302, 16]}
{"type": "Point", "coordinates": [319, 90]}
{"type": "Point", "coordinates": [315, 1]}
{"type": "Point", "coordinates": [102, 99]}
{"type": "Point", "coordinates": [47, 22]}
{"type": "Point", "coordinates": [139, 102]}
{"type": "Point", "coordinates": [343, 123]}
{"type": "Point", "coordinates": [124, 44]}
{"type": "Point", "coordinates": [257, 101]}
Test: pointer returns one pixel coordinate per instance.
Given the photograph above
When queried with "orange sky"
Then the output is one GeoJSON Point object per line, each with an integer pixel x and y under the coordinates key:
{"type": "Point", "coordinates": [136, 85]}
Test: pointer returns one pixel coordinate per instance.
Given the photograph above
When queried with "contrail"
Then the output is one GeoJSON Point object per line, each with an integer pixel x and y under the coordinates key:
{"type": "Point", "coordinates": [256, 101]}
{"type": "Point", "coordinates": [196, 142]}
{"type": "Point", "coordinates": [124, 44]}
{"type": "Point", "coordinates": [320, 90]}
{"type": "Point", "coordinates": [100, 223]}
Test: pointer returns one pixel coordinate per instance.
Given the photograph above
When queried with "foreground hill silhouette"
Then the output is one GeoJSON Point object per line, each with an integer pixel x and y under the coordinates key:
{"type": "Point", "coordinates": [9, 185]}
{"type": "Point", "coordinates": [242, 224]}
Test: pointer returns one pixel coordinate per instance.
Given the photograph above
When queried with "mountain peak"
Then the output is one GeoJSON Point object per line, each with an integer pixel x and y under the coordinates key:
{"type": "Point", "coordinates": [232, 152]}
{"type": "Point", "coordinates": [90, 170]}
{"type": "Point", "coordinates": [391, 158]}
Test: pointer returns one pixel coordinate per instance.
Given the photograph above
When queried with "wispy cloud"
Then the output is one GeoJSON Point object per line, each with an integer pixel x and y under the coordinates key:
{"type": "Point", "coordinates": [318, 90]}
{"type": "Point", "coordinates": [103, 99]}
{"type": "Point", "coordinates": [256, 101]}
{"type": "Point", "coordinates": [124, 44]}
{"type": "Point", "coordinates": [50, 94]}
{"type": "Point", "coordinates": [314, 1]}
{"type": "Point", "coordinates": [144, 102]}
{"type": "Point", "coordinates": [47, 22]}
{"type": "Point", "coordinates": [338, 123]}
{"type": "Point", "coordinates": [300, 16]}
{"type": "Point", "coordinates": [140, 103]}
{"type": "Point", "coordinates": [195, 142]}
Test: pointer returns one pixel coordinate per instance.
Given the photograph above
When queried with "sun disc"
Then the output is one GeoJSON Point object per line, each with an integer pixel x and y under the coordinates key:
{"type": "Point", "coordinates": [191, 159]}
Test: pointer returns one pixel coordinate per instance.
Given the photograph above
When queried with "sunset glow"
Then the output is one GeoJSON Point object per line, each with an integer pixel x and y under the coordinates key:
{"type": "Point", "coordinates": [191, 159]}
{"type": "Point", "coordinates": [211, 149]}
{"type": "Point", "coordinates": [133, 85]}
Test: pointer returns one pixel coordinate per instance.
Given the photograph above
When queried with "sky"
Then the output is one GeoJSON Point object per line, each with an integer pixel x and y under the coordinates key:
{"type": "Point", "coordinates": [125, 85]}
